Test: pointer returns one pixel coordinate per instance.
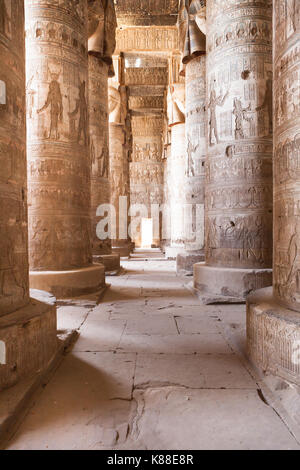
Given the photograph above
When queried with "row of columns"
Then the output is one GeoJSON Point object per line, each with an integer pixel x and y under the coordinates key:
{"type": "Point", "coordinates": [68, 60]}
{"type": "Point", "coordinates": [231, 123]}
{"type": "Point", "coordinates": [28, 338]}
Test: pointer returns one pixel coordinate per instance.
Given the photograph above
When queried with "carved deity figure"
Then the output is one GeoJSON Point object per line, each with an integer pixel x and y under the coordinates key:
{"type": "Point", "coordinates": [5, 19]}
{"type": "Point", "coordinates": [191, 149]}
{"type": "Point", "coordinates": [215, 101]}
{"type": "Point", "coordinates": [81, 108]}
{"type": "Point", "coordinates": [54, 100]}
{"type": "Point", "coordinates": [268, 101]}
{"type": "Point", "coordinates": [103, 163]}
{"type": "Point", "coordinates": [240, 116]}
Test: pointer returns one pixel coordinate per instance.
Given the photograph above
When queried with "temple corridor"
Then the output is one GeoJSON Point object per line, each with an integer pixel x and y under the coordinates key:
{"type": "Point", "coordinates": [152, 369]}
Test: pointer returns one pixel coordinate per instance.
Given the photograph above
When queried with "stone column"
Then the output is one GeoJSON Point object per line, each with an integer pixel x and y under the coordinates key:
{"type": "Point", "coordinates": [27, 326]}
{"type": "Point", "coordinates": [101, 45]}
{"type": "Point", "coordinates": [119, 163]}
{"type": "Point", "coordinates": [59, 173]}
{"type": "Point", "coordinates": [165, 235]}
{"type": "Point", "coordinates": [193, 47]}
{"type": "Point", "coordinates": [176, 116]}
{"type": "Point", "coordinates": [273, 318]}
{"type": "Point", "coordinates": [238, 207]}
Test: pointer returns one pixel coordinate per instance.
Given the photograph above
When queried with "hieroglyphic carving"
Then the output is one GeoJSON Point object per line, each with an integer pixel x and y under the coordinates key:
{"type": "Point", "coordinates": [146, 76]}
{"type": "Point", "coordinates": [147, 39]}
{"type": "Point", "coordinates": [57, 126]}
{"type": "Point", "coordinates": [286, 153]}
{"type": "Point", "coordinates": [147, 7]}
{"type": "Point", "coordinates": [239, 171]}
{"type": "Point", "coordinates": [143, 102]}
{"type": "Point", "coordinates": [14, 289]}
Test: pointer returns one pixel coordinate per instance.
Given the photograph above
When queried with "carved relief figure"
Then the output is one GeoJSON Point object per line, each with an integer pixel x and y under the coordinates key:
{"type": "Point", "coordinates": [30, 92]}
{"type": "Point", "coordinates": [54, 100]}
{"type": "Point", "coordinates": [215, 101]}
{"type": "Point", "coordinates": [81, 108]}
{"type": "Point", "coordinates": [191, 149]}
{"type": "Point", "coordinates": [103, 164]}
{"type": "Point", "coordinates": [268, 101]}
{"type": "Point", "coordinates": [240, 116]}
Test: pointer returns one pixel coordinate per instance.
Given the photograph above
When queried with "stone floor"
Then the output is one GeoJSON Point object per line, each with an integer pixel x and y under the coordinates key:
{"type": "Point", "coordinates": [152, 369]}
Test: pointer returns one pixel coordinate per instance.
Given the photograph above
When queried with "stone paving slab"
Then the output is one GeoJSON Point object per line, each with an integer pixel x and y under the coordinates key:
{"type": "Point", "coordinates": [168, 386]}
{"type": "Point", "coordinates": [170, 344]}
{"type": "Point", "coordinates": [196, 371]}
{"type": "Point", "coordinates": [174, 418]}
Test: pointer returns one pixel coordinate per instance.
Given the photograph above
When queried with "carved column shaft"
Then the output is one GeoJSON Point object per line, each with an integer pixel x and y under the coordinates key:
{"type": "Point", "coordinates": [177, 184]}
{"type": "Point", "coordinates": [287, 154]}
{"type": "Point", "coordinates": [119, 177]}
{"type": "Point", "coordinates": [195, 74]}
{"type": "Point", "coordinates": [27, 328]}
{"type": "Point", "coordinates": [14, 291]}
{"type": "Point", "coordinates": [176, 117]}
{"type": "Point", "coordinates": [59, 173]}
{"type": "Point", "coordinates": [273, 329]}
{"type": "Point", "coordinates": [239, 167]}
{"type": "Point", "coordinates": [99, 145]}
{"type": "Point", "coordinates": [119, 154]}
{"type": "Point", "coordinates": [238, 207]}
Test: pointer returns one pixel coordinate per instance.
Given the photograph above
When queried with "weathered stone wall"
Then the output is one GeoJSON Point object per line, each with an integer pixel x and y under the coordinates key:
{"type": "Point", "coordinates": [239, 166]}
{"type": "Point", "coordinates": [13, 189]}
{"type": "Point", "coordinates": [57, 123]}
{"type": "Point", "coordinates": [286, 153]}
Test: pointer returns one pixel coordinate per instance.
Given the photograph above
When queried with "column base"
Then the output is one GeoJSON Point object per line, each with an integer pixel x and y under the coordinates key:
{"type": "Point", "coordinates": [185, 261]}
{"type": "Point", "coordinates": [228, 285]}
{"type": "Point", "coordinates": [273, 336]}
{"type": "Point", "coordinates": [111, 263]}
{"type": "Point", "coordinates": [173, 251]}
{"type": "Point", "coordinates": [72, 283]}
{"type": "Point", "coordinates": [28, 339]}
{"type": "Point", "coordinates": [123, 249]}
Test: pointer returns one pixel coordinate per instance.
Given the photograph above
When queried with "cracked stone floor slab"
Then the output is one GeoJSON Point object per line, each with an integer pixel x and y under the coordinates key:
{"type": "Point", "coordinates": [152, 369]}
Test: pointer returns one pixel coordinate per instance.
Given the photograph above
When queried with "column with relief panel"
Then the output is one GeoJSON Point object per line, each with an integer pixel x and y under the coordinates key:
{"type": "Point", "coordinates": [273, 314]}
{"type": "Point", "coordinates": [28, 338]}
{"type": "Point", "coordinates": [192, 24]}
{"type": "Point", "coordinates": [101, 45]}
{"type": "Point", "coordinates": [238, 190]}
{"type": "Point", "coordinates": [59, 169]}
